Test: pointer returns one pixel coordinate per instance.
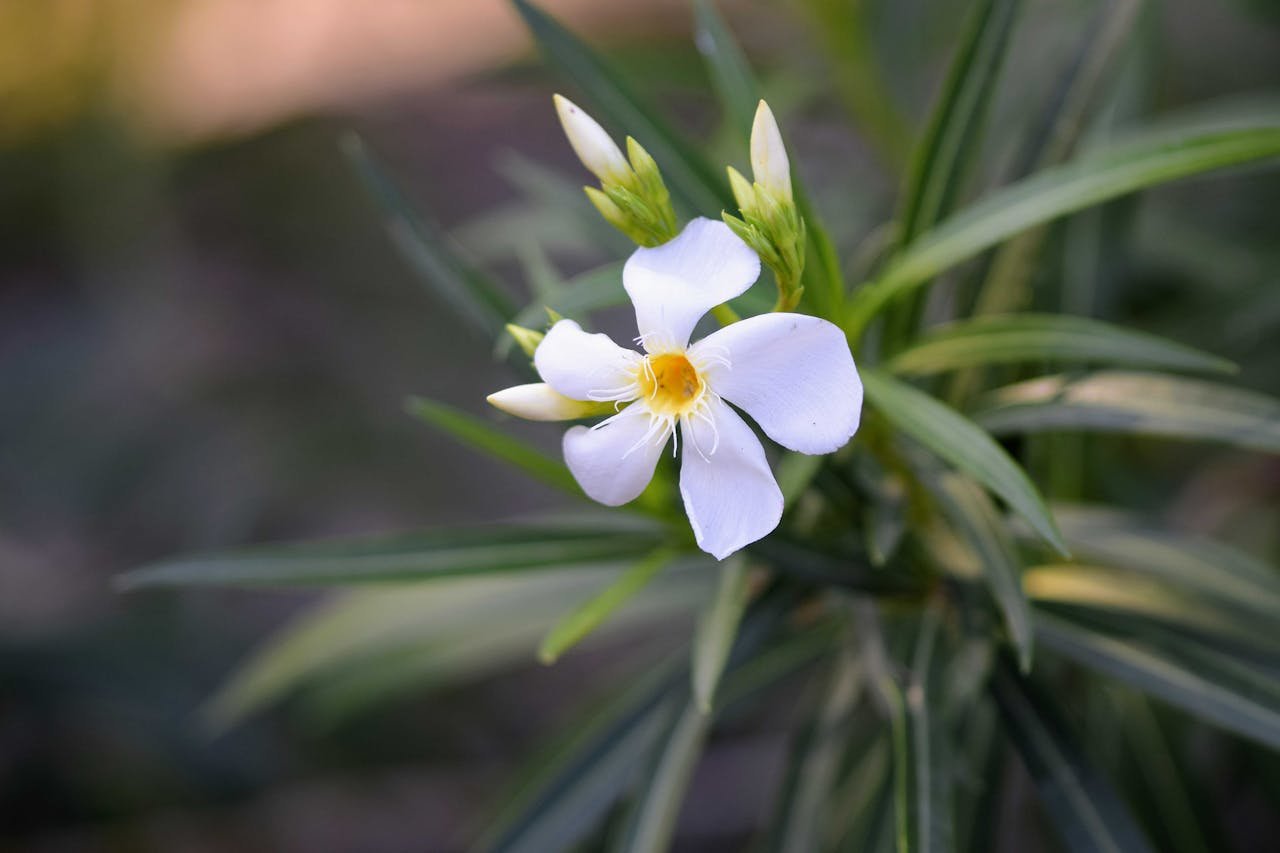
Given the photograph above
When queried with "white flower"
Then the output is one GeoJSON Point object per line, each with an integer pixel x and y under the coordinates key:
{"type": "Point", "coordinates": [593, 145]}
{"type": "Point", "coordinates": [792, 373]}
{"type": "Point", "coordinates": [769, 164]}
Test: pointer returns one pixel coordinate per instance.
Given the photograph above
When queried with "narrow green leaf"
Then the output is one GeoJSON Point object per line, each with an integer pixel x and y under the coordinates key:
{"type": "Point", "coordinates": [717, 629]}
{"type": "Point", "coordinates": [1213, 694]}
{"type": "Point", "coordinates": [589, 615]}
{"type": "Point", "coordinates": [439, 554]}
{"type": "Point", "coordinates": [929, 809]}
{"type": "Point", "coordinates": [364, 646]}
{"type": "Point", "coordinates": [1203, 566]}
{"type": "Point", "coordinates": [943, 156]}
{"type": "Point", "coordinates": [730, 74]}
{"type": "Point", "coordinates": [1091, 179]}
{"type": "Point", "coordinates": [1137, 403]}
{"type": "Point", "coordinates": [481, 436]}
{"type": "Point", "coordinates": [429, 251]}
{"type": "Point", "coordinates": [689, 175]}
{"type": "Point", "coordinates": [808, 792]}
{"type": "Point", "coordinates": [1089, 816]}
{"type": "Point", "coordinates": [570, 788]}
{"type": "Point", "coordinates": [653, 822]}
{"type": "Point", "coordinates": [1004, 339]}
{"type": "Point", "coordinates": [970, 511]}
{"type": "Point", "coordinates": [958, 441]}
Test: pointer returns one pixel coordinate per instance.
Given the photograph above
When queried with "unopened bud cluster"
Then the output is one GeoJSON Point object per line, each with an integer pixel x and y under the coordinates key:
{"type": "Point", "coordinates": [769, 221]}
{"type": "Point", "coordinates": [632, 196]}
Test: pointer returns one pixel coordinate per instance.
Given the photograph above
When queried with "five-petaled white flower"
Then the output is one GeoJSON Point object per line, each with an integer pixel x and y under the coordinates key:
{"type": "Point", "coordinates": [792, 373]}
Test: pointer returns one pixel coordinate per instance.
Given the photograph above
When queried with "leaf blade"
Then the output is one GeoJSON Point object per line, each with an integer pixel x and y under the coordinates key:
{"type": "Point", "coordinates": [1138, 403]}
{"type": "Point", "coordinates": [960, 442]}
{"type": "Point", "coordinates": [717, 629]}
{"type": "Point", "coordinates": [1004, 339]}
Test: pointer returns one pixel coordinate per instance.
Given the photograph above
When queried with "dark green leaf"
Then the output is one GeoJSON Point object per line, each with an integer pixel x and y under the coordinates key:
{"type": "Point", "coordinates": [1089, 816]}
{"type": "Point", "coordinates": [730, 74]}
{"type": "Point", "coordinates": [689, 176]}
{"type": "Point", "coordinates": [1137, 403]}
{"type": "Point", "coordinates": [480, 435]}
{"type": "Point", "coordinates": [945, 152]}
{"type": "Point", "coordinates": [1047, 337]}
{"type": "Point", "coordinates": [1091, 179]}
{"type": "Point", "coordinates": [440, 554]}
{"type": "Point", "coordinates": [429, 250]}
{"type": "Point", "coordinates": [958, 441]}
{"type": "Point", "coordinates": [1216, 694]}
{"type": "Point", "coordinates": [981, 526]}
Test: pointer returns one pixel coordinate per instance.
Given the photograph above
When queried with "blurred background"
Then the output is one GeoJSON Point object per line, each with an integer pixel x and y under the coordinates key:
{"type": "Point", "coordinates": [206, 339]}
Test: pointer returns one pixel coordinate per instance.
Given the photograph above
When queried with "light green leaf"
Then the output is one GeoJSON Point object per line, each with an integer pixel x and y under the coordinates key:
{"type": "Point", "coordinates": [1011, 338]}
{"type": "Point", "coordinates": [362, 647]}
{"type": "Point", "coordinates": [958, 441]}
{"type": "Point", "coordinates": [1090, 179]}
{"type": "Point", "coordinates": [688, 175]}
{"type": "Point", "coordinates": [717, 629]}
{"type": "Point", "coordinates": [653, 821]}
{"type": "Point", "coordinates": [1212, 693]}
{"type": "Point", "coordinates": [430, 252]}
{"type": "Point", "coordinates": [1089, 816]}
{"type": "Point", "coordinates": [969, 509]}
{"type": "Point", "coordinates": [925, 805]}
{"type": "Point", "coordinates": [438, 554]}
{"type": "Point", "coordinates": [481, 436]}
{"type": "Point", "coordinates": [1137, 403]}
{"type": "Point", "coordinates": [589, 615]}
{"type": "Point", "coordinates": [590, 291]}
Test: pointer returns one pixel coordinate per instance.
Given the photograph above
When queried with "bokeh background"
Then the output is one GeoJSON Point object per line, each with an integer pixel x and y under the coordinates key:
{"type": "Point", "coordinates": [206, 339]}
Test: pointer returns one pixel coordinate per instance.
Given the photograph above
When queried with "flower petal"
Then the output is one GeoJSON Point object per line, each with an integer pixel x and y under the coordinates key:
{"type": "Point", "coordinates": [613, 461]}
{"type": "Point", "coordinates": [538, 401]}
{"type": "Point", "coordinates": [730, 494]}
{"type": "Point", "coordinates": [674, 284]}
{"type": "Point", "coordinates": [792, 373]}
{"type": "Point", "coordinates": [584, 366]}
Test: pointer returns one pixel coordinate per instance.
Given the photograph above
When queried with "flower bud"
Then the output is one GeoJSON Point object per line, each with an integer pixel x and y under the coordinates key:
{"type": "Point", "coordinates": [743, 192]}
{"type": "Point", "coordinates": [528, 339]}
{"type": "Point", "coordinates": [594, 147]}
{"type": "Point", "coordinates": [539, 402]}
{"type": "Point", "coordinates": [769, 164]}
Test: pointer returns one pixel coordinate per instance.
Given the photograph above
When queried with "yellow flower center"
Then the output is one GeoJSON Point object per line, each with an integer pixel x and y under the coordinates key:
{"type": "Point", "coordinates": [670, 384]}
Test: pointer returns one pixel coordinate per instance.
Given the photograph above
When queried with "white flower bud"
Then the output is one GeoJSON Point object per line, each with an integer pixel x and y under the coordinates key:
{"type": "Point", "coordinates": [769, 163]}
{"type": "Point", "coordinates": [539, 402]}
{"type": "Point", "coordinates": [594, 147]}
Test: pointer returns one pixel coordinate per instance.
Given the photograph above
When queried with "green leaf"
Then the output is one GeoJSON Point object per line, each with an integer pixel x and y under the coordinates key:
{"type": "Point", "coordinates": [1212, 693]}
{"type": "Point", "coordinates": [731, 76]}
{"type": "Point", "coordinates": [808, 790]}
{"type": "Point", "coordinates": [438, 554]}
{"type": "Point", "coordinates": [571, 787]}
{"type": "Point", "coordinates": [590, 291]}
{"type": "Point", "coordinates": [689, 176]}
{"type": "Point", "coordinates": [1136, 403]}
{"type": "Point", "coordinates": [1206, 567]}
{"type": "Point", "coordinates": [945, 152]}
{"type": "Point", "coordinates": [363, 647]}
{"type": "Point", "coordinates": [481, 436]}
{"type": "Point", "coordinates": [1090, 179]}
{"type": "Point", "coordinates": [1012, 338]}
{"type": "Point", "coordinates": [927, 812]}
{"type": "Point", "coordinates": [589, 615]}
{"type": "Point", "coordinates": [430, 252]}
{"type": "Point", "coordinates": [653, 821]}
{"type": "Point", "coordinates": [1089, 816]}
{"type": "Point", "coordinates": [958, 441]}
{"type": "Point", "coordinates": [970, 511]}
{"type": "Point", "coordinates": [717, 629]}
